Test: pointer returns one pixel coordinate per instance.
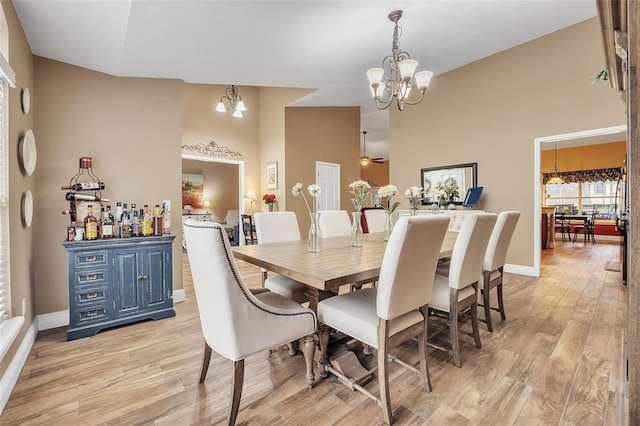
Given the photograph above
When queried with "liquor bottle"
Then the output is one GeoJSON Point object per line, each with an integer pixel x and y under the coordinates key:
{"type": "Point", "coordinates": [90, 225]}
{"type": "Point", "coordinates": [117, 221]}
{"type": "Point", "coordinates": [106, 229]}
{"type": "Point", "coordinates": [157, 221]}
{"type": "Point", "coordinates": [72, 196]}
{"type": "Point", "coordinates": [166, 218]}
{"type": "Point", "coordinates": [147, 220]}
{"type": "Point", "coordinates": [135, 222]}
{"type": "Point", "coordinates": [101, 218]}
{"type": "Point", "coordinates": [84, 186]}
{"type": "Point", "coordinates": [126, 230]}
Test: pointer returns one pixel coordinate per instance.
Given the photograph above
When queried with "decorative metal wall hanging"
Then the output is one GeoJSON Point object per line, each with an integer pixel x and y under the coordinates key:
{"type": "Point", "coordinates": [212, 149]}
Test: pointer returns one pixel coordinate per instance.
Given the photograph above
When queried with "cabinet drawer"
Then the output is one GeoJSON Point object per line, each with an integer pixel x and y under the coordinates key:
{"type": "Point", "coordinates": [91, 313]}
{"type": "Point", "coordinates": [88, 258]}
{"type": "Point", "coordinates": [91, 295]}
{"type": "Point", "coordinates": [91, 277]}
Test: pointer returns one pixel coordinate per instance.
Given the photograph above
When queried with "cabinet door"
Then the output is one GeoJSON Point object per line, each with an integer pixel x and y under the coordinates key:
{"type": "Point", "coordinates": [129, 277]}
{"type": "Point", "coordinates": [157, 271]}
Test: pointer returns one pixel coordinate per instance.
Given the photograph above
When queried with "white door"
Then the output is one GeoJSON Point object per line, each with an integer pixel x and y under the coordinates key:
{"type": "Point", "coordinates": [328, 179]}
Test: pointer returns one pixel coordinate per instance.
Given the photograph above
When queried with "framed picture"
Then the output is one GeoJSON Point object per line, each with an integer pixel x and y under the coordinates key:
{"type": "Point", "coordinates": [463, 175]}
{"type": "Point", "coordinates": [192, 190]}
{"type": "Point", "coordinates": [272, 175]}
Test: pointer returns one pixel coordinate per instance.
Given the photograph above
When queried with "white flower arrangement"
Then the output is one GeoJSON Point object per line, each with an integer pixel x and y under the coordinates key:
{"type": "Point", "coordinates": [314, 191]}
{"type": "Point", "coordinates": [414, 195]}
{"type": "Point", "coordinates": [360, 190]}
{"type": "Point", "coordinates": [387, 192]}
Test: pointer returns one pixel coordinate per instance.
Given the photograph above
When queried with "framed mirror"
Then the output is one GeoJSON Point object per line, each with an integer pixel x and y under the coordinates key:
{"type": "Point", "coordinates": [464, 175]}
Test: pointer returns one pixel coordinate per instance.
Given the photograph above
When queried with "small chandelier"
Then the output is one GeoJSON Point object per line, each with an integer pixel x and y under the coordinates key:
{"type": "Point", "coordinates": [556, 175]}
{"type": "Point", "coordinates": [396, 77]}
{"type": "Point", "coordinates": [235, 102]}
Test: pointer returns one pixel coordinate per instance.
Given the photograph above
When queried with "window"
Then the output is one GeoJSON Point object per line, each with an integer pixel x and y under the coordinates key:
{"type": "Point", "coordinates": [9, 328]}
{"type": "Point", "coordinates": [583, 198]}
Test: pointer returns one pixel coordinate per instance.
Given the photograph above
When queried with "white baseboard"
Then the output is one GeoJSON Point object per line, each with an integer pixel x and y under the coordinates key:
{"type": "Point", "coordinates": [53, 320]}
{"type": "Point", "coordinates": [10, 376]}
{"type": "Point", "coordinates": [520, 269]}
{"type": "Point", "coordinates": [179, 296]}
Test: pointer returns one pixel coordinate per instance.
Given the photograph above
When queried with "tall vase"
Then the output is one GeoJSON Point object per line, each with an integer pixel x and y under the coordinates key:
{"type": "Point", "coordinates": [388, 225]}
{"type": "Point", "coordinates": [356, 229]}
{"type": "Point", "coordinates": [414, 211]}
{"type": "Point", "coordinates": [270, 207]}
{"type": "Point", "coordinates": [315, 236]}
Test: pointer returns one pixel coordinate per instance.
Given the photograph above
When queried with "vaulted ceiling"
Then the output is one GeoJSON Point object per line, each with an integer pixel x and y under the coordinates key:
{"type": "Point", "coordinates": [325, 45]}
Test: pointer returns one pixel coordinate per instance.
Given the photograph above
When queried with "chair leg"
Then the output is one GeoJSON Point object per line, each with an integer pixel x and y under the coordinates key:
{"type": "Point", "coordinates": [324, 347]}
{"type": "Point", "coordinates": [486, 293]}
{"type": "Point", "coordinates": [206, 357]}
{"type": "Point", "coordinates": [422, 350]}
{"type": "Point", "coordinates": [453, 326]}
{"type": "Point", "coordinates": [383, 373]}
{"type": "Point", "coordinates": [500, 302]}
{"type": "Point", "coordinates": [236, 391]}
{"type": "Point", "coordinates": [474, 324]}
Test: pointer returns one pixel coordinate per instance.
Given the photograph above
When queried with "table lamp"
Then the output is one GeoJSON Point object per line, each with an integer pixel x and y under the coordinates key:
{"type": "Point", "coordinates": [207, 205]}
{"type": "Point", "coordinates": [251, 195]}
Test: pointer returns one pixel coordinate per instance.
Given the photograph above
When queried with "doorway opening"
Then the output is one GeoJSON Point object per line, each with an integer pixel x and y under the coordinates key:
{"type": "Point", "coordinates": [587, 137]}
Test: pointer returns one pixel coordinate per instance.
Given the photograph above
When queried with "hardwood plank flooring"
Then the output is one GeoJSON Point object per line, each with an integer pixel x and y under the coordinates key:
{"type": "Point", "coordinates": [556, 360]}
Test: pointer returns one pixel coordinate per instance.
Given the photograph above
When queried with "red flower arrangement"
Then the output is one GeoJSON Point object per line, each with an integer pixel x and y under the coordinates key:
{"type": "Point", "coordinates": [269, 198]}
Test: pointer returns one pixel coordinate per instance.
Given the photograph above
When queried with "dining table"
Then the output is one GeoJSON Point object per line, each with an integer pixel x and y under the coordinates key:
{"type": "Point", "coordinates": [338, 264]}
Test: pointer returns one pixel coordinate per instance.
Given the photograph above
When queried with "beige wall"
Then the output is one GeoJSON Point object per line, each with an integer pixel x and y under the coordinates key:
{"type": "Point", "coordinates": [22, 276]}
{"type": "Point", "coordinates": [129, 126]}
{"type": "Point", "coordinates": [589, 157]}
{"type": "Point", "coordinates": [220, 186]}
{"type": "Point", "coordinates": [320, 134]}
{"type": "Point", "coordinates": [377, 174]}
{"type": "Point", "coordinates": [272, 136]}
{"type": "Point", "coordinates": [491, 111]}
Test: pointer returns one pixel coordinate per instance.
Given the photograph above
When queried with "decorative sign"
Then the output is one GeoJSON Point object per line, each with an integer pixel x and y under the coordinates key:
{"type": "Point", "coordinates": [212, 149]}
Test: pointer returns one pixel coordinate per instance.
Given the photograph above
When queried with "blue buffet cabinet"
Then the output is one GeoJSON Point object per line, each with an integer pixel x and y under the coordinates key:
{"type": "Point", "coordinates": [118, 281]}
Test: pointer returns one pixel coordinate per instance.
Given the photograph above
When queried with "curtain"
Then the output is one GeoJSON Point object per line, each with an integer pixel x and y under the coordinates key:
{"type": "Point", "coordinates": [582, 176]}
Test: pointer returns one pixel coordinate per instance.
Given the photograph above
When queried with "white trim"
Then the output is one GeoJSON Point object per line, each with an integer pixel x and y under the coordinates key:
{"type": "Point", "coordinates": [521, 270]}
{"type": "Point", "coordinates": [11, 374]}
{"type": "Point", "coordinates": [179, 295]}
{"type": "Point", "coordinates": [52, 320]}
{"type": "Point", "coordinates": [9, 330]}
{"type": "Point", "coordinates": [537, 206]}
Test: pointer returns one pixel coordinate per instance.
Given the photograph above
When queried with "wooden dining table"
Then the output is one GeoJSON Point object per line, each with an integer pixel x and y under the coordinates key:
{"type": "Point", "coordinates": [336, 265]}
{"type": "Point", "coordinates": [323, 273]}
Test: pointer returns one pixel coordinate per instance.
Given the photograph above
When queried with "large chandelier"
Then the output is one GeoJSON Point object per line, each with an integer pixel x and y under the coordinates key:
{"type": "Point", "coordinates": [396, 77]}
{"type": "Point", "coordinates": [234, 100]}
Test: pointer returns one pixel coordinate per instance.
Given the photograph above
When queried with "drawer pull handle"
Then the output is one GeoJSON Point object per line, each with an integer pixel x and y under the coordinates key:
{"type": "Point", "coordinates": [91, 277]}
{"type": "Point", "coordinates": [92, 313]}
{"type": "Point", "coordinates": [92, 295]}
{"type": "Point", "coordinates": [142, 277]}
{"type": "Point", "coordinates": [90, 259]}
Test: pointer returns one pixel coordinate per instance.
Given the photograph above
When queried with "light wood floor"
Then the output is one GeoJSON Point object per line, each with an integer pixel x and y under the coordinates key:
{"type": "Point", "coordinates": [554, 361]}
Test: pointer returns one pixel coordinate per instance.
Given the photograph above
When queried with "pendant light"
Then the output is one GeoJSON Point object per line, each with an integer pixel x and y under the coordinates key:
{"type": "Point", "coordinates": [555, 179]}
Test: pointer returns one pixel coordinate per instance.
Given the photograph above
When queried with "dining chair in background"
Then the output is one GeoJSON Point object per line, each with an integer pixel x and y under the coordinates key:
{"type": "Point", "coordinates": [563, 225]}
{"type": "Point", "coordinates": [235, 322]}
{"type": "Point", "coordinates": [334, 223]}
{"type": "Point", "coordinates": [277, 227]}
{"type": "Point", "coordinates": [397, 309]}
{"type": "Point", "coordinates": [248, 229]}
{"type": "Point", "coordinates": [588, 228]}
{"type": "Point", "coordinates": [375, 219]}
{"type": "Point", "coordinates": [458, 291]}
{"type": "Point", "coordinates": [493, 264]}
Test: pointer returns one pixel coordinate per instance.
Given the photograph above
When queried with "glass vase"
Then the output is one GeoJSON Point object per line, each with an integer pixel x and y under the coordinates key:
{"type": "Point", "coordinates": [388, 225]}
{"type": "Point", "coordinates": [315, 236]}
{"type": "Point", "coordinates": [414, 212]}
{"type": "Point", "coordinates": [356, 230]}
{"type": "Point", "coordinates": [270, 207]}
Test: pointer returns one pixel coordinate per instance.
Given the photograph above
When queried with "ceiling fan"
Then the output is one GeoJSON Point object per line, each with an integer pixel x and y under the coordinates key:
{"type": "Point", "coordinates": [364, 160]}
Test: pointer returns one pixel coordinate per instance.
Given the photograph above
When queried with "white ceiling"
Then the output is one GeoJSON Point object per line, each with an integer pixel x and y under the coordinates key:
{"type": "Point", "coordinates": [326, 45]}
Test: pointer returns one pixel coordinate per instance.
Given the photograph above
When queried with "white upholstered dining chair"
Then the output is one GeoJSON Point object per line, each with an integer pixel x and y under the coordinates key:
{"type": "Point", "coordinates": [493, 264]}
{"type": "Point", "coordinates": [277, 227]}
{"type": "Point", "coordinates": [235, 322]}
{"type": "Point", "coordinates": [459, 290]}
{"type": "Point", "coordinates": [334, 223]}
{"type": "Point", "coordinates": [375, 219]}
{"type": "Point", "coordinates": [396, 310]}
